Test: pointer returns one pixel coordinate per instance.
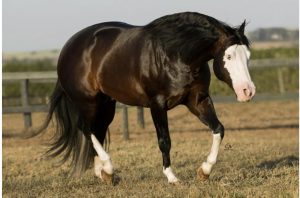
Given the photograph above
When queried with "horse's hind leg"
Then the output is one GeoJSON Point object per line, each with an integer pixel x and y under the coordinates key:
{"type": "Point", "coordinates": [104, 116]}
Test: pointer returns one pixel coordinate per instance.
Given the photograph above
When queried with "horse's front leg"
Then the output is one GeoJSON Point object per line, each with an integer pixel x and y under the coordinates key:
{"type": "Point", "coordinates": [201, 105]}
{"type": "Point", "coordinates": [160, 119]}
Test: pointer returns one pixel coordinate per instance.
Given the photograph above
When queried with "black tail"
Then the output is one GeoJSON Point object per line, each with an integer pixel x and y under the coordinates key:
{"type": "Point", "coordinates": [68, 140]}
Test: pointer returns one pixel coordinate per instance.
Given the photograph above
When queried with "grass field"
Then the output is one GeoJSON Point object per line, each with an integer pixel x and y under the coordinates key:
{"type": "Point", "coordinates": [258, 157]}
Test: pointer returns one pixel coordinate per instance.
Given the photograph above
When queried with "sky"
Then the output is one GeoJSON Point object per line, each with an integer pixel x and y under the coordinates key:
{"type": "Point", "coordinates": [31, 25]}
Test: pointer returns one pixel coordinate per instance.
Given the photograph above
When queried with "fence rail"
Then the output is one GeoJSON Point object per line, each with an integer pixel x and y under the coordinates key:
{"type": "Point", "coordinates": [7, 76]}
{"type": "Point", "coordinates": [50, 76]}
{"type": "Point", "coordinates": [263, 63]}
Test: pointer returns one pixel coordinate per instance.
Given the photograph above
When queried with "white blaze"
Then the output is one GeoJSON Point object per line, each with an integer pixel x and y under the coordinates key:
{"type": "Point", "coordinates": [236, 62]}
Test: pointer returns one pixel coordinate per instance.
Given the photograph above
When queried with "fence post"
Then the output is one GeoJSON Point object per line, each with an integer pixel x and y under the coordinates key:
{"type": "Point", "coordinates": [25, 102]}
{"type": "Point", "coordinates": [140, 117]}
{"type": "Point", "coordinates": [280, 81]}
{"type": "Point", "coordinates": [125, 123]}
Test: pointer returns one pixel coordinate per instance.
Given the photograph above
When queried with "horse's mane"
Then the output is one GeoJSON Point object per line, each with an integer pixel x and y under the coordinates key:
{"type": "Point", "coordinates": [188, 34]}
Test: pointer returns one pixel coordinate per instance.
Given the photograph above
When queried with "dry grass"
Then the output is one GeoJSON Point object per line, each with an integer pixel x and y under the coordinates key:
{"type": "Point", "coordinates": [262, 161]}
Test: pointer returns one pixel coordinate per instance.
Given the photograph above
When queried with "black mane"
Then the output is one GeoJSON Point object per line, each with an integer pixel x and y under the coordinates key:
{"type": "Point", "coordinates": [186, 35]}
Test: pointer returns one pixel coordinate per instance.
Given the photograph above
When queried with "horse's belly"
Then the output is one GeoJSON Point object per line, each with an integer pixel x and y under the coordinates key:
{"type": "Point", "coordinates": [130, 93]}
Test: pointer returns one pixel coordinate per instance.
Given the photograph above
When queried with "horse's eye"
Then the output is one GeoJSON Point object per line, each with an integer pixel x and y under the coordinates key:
{"type": "Point", "coordinates": [229, 57]}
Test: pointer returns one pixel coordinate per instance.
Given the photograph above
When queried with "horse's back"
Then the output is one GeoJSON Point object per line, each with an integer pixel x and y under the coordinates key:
{"type": "Point", "coordinates": [122, 62]}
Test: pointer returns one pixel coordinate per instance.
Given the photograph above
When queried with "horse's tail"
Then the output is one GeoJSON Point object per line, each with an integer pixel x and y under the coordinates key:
{"type": "Point", "coordinates": [68, 140]}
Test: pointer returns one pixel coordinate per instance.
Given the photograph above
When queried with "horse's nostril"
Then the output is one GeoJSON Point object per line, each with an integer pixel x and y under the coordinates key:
{"type": "Point", "coordinates": [247, 92]}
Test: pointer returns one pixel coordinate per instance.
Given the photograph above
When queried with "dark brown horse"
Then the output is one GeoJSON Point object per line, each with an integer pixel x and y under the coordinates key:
{"type": "Point", "coordinates": [160, 65]}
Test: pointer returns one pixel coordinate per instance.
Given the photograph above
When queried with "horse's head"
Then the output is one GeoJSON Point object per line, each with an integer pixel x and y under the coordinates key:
{"type": "Point", "coordinates": [231, 65]}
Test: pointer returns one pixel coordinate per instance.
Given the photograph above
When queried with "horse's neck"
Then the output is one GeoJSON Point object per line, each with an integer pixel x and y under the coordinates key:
{"type": "Point", "coordinates": [218, 46]}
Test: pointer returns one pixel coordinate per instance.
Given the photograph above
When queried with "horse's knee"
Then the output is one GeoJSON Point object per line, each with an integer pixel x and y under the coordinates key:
{"type": "Point", "coordinates": [164, 145]}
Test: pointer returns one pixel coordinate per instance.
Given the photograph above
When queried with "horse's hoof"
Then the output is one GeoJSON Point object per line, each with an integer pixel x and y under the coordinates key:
{"type": "Point", "coordinates": [202, 176]}
{"type": "Point", "coordinates": [107, 178]}
{"type": "Point", "coordinates": [176, 183]}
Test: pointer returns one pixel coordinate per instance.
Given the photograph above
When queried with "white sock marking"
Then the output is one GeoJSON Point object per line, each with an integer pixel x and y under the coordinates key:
{"type": "Point", "coordinates": [212, 157]}
{"type": "Point", "coordinates": [104, 161]}
{"type": "Point", "coordinates": [98, 166]}
{"type": "Point", "coordinates": [170, 175]}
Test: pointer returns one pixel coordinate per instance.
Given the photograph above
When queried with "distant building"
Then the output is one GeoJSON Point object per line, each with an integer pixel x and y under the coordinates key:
{"type": "Point", "coordinates": [274, 34]}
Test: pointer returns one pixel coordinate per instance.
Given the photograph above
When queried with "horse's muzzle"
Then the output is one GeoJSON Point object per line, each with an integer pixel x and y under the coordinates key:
{"type": "Point", "coordinates": [245, 91]}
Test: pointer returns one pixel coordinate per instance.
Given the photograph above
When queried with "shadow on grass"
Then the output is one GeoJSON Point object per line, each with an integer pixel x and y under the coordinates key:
{"type": "Point", "coordinates": [231, 129]}
{"type": "Point", "coordinates": [245, 128]}
{"type": "Point", "coordinates": [235, 129]}
{"type": "Point", "coordinates": [17, 133]}
{"type": "Point", "coordinates": [287, 161]}
{"type": "Point", "coordinates": [20, 134]}
{"type": "Point", "coordinates": [11, 135]}
{"type": "Point", "coordinates": [275, 126]}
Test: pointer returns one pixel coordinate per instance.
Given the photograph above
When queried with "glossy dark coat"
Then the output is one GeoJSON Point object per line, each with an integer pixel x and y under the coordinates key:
{"type": "Point", "coordinates": [160, 65]}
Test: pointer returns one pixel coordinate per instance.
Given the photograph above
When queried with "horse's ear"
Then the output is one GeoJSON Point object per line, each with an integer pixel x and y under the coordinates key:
{"type": "Point", "coordinates": [242, 27]}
